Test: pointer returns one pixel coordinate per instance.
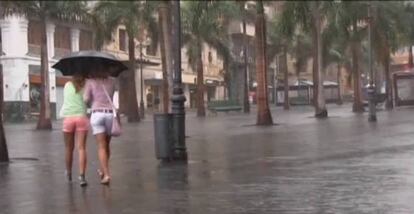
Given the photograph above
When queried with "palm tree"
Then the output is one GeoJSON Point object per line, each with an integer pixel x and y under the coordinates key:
{"type": "Point", "coordinates": [348, 16]}
{"type": "Point", "coordinates": [302, 51]}
{"type": "Point", "coordinates": [309, 16]}
{"type": "Point", "coordinates": [4, 155]}
{"type": "Point", "coordinates": [202, 25]}
{"type": "Point", "coordinates": [264, 117]}
{"type": "Point", "coordinates": [316, 29]}
{"type": "Point", "coordinates": [137, 16]}
{"type": "Point", "coordinates": [298, 45]}
{"type": "Point", "coordinates": [47, 11]}
{"type": "Point", "coordinates": [386, 25]}
{"type": "Point", "coordinates": [279, 47]}
{"type": "Point", "coordinates": [335, 52]}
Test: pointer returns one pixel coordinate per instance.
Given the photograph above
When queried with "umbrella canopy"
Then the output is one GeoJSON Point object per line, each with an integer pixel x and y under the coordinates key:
{"type": "Point", "coordinates": [85, 61]}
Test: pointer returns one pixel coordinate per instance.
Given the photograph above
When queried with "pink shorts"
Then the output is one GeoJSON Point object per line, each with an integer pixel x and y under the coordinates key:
{"type": "Point", "coordinates": [75, 124]}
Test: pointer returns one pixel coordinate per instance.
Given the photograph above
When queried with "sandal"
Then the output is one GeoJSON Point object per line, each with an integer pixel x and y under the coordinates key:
{"type": "Point", "coordinates": [100, 174]}
{"type": "Point", "coordinates": [106, 180]}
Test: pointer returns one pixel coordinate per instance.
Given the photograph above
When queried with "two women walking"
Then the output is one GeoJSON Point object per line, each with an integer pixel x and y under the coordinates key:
{"type": "Point", "coordinates": [97, 92]}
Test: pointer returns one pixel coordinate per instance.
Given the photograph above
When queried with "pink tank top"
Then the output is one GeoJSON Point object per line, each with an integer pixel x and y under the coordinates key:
{"type": "Point", "coordinates": [95, 95]}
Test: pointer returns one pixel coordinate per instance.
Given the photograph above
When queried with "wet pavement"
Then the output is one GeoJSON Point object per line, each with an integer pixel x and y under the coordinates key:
{"type": "Point", "coordinates": [302, 165]}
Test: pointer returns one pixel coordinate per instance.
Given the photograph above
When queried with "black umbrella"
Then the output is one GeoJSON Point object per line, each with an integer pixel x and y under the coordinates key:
{"type": "Point", "coordinates": [86, 61]}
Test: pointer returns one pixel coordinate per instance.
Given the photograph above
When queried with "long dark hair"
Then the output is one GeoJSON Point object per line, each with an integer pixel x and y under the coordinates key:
{"type": "Point", "coordinates": [98, 71]}
{"type": "Point", "coordinates": [78, 80]}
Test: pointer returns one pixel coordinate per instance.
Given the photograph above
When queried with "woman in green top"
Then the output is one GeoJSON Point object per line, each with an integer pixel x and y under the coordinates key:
{"type": "Point", "coordinates": [75, 124]}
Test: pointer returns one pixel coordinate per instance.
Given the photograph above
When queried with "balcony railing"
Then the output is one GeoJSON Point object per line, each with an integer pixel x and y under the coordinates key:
{"type": "Point", "coordinates": [60, 52]}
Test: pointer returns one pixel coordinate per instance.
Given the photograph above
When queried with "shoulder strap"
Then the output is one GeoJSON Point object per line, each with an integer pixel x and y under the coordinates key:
{"type": "Point", "coordinates": [109, 99]}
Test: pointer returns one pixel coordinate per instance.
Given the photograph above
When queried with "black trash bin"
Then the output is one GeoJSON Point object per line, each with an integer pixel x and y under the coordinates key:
{"type": "Point", "coordinates": [163, 136]}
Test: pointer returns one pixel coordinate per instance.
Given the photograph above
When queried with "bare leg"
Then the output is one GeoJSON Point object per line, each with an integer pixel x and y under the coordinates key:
{"type": "Point", "coordinates": [108, 152]}
{"type": "Point", "coordinates": [103, 153]}
{"type": "Point", "coordinates": [108, 147]}
{"type": "Point", "coordinates": [81, 140]}
{"type": "Point", "coordinates": [69, 138]}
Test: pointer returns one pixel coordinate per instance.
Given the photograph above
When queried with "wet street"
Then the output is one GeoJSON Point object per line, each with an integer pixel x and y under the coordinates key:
{"type": "Point", "coordinates": [301, 165]}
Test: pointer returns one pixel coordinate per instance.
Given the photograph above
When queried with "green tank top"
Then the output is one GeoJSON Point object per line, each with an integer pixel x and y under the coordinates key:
{"type": "Point", "coordinates": [73, 104]}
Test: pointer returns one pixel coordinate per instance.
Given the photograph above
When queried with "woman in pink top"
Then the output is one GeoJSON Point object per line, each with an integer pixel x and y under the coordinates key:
{"type": "Point", "coordinates": [102, 116]}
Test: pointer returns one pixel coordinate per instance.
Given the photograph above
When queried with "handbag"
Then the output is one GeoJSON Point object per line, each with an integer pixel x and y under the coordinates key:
{"type": "Point", "coordinates": [116, 125]}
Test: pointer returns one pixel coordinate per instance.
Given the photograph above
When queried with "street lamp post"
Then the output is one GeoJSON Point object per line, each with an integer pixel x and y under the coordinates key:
{"type": "Point", "coordinates": [371, 88]}
{"type": "Point", "coordinates": [178, 98]}
{"type": "Point", "coordinates": [141, 103]}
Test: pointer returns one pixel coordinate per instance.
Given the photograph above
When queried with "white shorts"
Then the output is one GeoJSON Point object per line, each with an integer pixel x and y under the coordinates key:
{"type": "Point", "coordinates": [101, 122]}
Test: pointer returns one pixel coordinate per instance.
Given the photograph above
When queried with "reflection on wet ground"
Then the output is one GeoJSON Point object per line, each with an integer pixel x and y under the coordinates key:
{"type": "Point", "coordinates": [339, 165]}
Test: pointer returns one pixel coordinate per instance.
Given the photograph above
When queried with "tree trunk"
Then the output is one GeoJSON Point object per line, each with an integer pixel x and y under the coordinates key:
{"type": "Point", "coordinates": [4, 155]}
{"type": "Point", "coordinates": [44, 121]}
{"type": "Point", "coordinates": [201, 112]}
{"type": "Point", "coordinates": [246, 104]}
{"type": "Point", "coordinates": [358, 105]}
{"type": "Point", "coordinates": [166, 55]}
{"type": "Point", "coordinates": [410, 57]}
{"type": "Point", "coordinates": [319, 97]}
{"type": "Point", "coordinates": [321, 111]}
{"type": "Point", "coordinates": [284, 68]}
{"type": "Point", "coordinates": [133, 110]}
{"type": "Point", "coordinates": [226, 69]}
{"type": "Point", "coordinates": [389, 104]}
{"type": "Point", "coordinates": [340, 102]}
{"type": "Point", "coordinates": [315, 71]}
{"type": "Point", "coordinates": [228, 76]}
{"type": "Point", "coordinates": [264, 117]}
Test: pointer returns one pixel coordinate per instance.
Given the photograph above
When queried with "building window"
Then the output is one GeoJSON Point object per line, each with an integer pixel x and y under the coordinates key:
{"type": "Point", "coordinates": [210, 57]}
{"type": "Point", "coordinates": [34, 35]}
{"type": "Point", "coordinates": [122, 40]}
{"type": "Point", "coordinates": [62, 41]}
{"type": "Point", "coordinates": [62, 37]}
{"type": "Point", "coordinates": [85, 40]}
{"type": "Point", "coordinates": [152, 49]}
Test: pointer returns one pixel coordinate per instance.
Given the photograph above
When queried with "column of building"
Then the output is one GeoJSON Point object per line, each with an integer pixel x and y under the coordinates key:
{"type": "Point", "coordinates": [50, 35]}
{"type": "Point", "coordinates": [74, 39]}
{"type": "Point", "coordinates": [15, 67]}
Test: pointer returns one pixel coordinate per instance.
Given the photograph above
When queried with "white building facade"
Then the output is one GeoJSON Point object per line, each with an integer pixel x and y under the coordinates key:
{"type": "Point", "coordinates": [20, 61]}
{"type": "Point", "coordinates": [152, 75]}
